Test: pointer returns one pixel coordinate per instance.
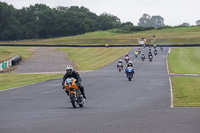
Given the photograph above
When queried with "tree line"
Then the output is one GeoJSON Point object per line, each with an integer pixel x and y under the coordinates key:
{"type": "Point", "coordinates": [41, 21]}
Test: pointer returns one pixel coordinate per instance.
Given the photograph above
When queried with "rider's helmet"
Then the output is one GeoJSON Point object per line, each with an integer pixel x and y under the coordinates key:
{"type": "Point", "coordinates": [130, 62]}
{"type": "Point", "coordinates": [120, 60]}
{"type": "Point", "coordinates": [69, 69]}
{"type": "Point", "coordinates": [142, 53]}
{"type": "Point", "coordinates": [127, 54]}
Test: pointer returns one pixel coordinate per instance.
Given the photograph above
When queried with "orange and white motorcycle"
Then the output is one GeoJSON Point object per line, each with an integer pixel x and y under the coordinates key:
{"type": "Point", "coordinates": [75, 95]}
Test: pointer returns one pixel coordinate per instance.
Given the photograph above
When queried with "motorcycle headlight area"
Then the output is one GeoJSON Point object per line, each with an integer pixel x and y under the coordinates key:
{"type": "Point", "coordinates": [69, 81]}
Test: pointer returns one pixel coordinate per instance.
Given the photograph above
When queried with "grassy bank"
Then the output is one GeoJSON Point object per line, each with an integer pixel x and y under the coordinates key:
{"type": "Point", "coordinates": [8, 81]}
{"type": "Point", "coordinates": [181, 35]}
{"type": "Point", "coordinates": [9, 52]}
{"type": "Point", "coordinates": [186, 91]}
{"type": "Point", "coordinates": [94, 58]}
{"type": "Point", "coordinates": [185, 60]}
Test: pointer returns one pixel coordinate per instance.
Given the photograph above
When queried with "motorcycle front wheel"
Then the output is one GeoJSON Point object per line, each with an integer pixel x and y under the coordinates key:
{"type": "Point", "coordinates": [72, 98]}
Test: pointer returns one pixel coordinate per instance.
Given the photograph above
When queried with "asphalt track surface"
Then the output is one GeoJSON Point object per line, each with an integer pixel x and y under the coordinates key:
{"type": "Point", "coordinates": [113, 105]}
{"type": "Point", "coordinates": [44, 60]}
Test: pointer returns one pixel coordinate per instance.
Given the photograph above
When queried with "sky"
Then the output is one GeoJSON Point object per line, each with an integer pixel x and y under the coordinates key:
{"type": "Point", "coordinates": [174, 12]}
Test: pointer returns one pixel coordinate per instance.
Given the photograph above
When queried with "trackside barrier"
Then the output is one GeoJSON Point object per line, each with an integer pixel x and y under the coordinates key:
{"type": "Point", "coordinates": [12, 62]}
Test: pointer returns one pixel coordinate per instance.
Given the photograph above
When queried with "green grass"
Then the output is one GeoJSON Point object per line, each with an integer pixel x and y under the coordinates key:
{"type": "Point", "coordinates": [185, 60]}
{"type": "Point", "coordinates": [186, 91]}
{"type": "Point", "coordinates": [181, 35]}
{"type": "Point", "coordinates": [9, 52]}
{"type": "Point", "coordinates": [8, 81]}
{"type": "Point", "coordinates": [94, 58]}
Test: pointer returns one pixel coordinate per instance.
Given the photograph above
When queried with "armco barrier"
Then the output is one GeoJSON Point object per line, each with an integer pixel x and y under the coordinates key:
{"type": "Point", "coordinates": [12, 62]}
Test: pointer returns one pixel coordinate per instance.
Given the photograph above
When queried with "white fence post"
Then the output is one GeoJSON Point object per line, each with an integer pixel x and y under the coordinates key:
{"type": "Point", "coordinates": [1, 67]}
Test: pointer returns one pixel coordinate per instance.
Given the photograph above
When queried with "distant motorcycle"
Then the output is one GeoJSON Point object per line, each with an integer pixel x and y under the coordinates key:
{"type": "Point", "coordinates": [161, 48]}
{"type": "Point", "coordinates": [155, 52]}
{"type": "Point", "coordinates": [120, 66]}
{"type": "Point", "coordinates": [129, 73]}
{"type": "Point", "coordinates": [126, 59]}
{"type": "Point", "coordinates": [139, 50]}
{"type": "Point", "coordinates": [142, 57]}
{"type": "Point", "coordinates": [150, 58]}
{"type": "Point", "coordinates": [136, 54]}
{"type": "Point", "coordinates": [75, 95]}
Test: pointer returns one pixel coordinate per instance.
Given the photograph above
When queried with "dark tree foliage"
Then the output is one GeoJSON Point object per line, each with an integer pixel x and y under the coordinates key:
{"type": "Point", "coordinates": [40, 21]}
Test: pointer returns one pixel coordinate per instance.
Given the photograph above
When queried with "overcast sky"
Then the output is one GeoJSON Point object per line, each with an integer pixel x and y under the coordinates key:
{"type": "Point", "coordinates": [174, 12]}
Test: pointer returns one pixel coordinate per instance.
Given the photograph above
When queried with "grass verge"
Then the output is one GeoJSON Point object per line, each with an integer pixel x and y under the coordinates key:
{"type": "Point", "coordinates": [8, 80]}
{"type": "Point", "coordinates": [179, 35]}
{"type": "Point", "coordinates": [94, 58]}
{"type": "Point", "coordinates": [186, 91]}
{"type": "Point", "coordinates": [185, 60]}
{"type": "Point", "coordinates": [9, 52]}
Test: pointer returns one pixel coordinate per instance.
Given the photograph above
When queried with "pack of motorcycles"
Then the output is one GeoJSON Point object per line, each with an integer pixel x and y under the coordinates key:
{"type": "Point", "coordinates": [129, 71]}
{"type": "Point", "coordinates": [76, 98]}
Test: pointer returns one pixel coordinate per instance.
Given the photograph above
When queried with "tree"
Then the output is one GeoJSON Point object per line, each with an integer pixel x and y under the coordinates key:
{"type": "Point", "coordinates": [185, 24]}
{"type": "Point", "coordinates": [148, 21]}
{"type": "Point", "coordinates": [157, 21]}
{"type": "Point", "coordinates": [198, 22]}
{"type": "Point", "coordinates": [126, 24]}
{"type": "Point", "coordinates": [145, 21]}
{"type": "Point", "coordinates": [107, 21]}
{"type": "Point", "coordinates": [9, 25]}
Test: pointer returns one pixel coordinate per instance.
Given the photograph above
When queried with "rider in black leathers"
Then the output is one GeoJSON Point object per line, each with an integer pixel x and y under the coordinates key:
{"type": "Point", "coordinates": [72, 73]}
{"type": "Point", "coordinates": [150, 54]}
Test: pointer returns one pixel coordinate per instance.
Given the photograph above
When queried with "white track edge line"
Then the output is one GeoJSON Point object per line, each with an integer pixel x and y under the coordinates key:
{"type": "Point", "coordinates": [170, 82]}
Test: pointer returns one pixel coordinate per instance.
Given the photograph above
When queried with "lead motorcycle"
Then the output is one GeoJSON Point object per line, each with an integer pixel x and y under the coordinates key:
{"type": "Point", "coordinates": [75, 95]}
{"type": "Point", "coordinates": [129, 73]}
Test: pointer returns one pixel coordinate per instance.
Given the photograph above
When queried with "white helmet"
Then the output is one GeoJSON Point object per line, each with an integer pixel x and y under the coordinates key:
{"type": "Point", "coordinates": [69, 69]}
{"type": "Point", "coordinates": [130, 62]}
{"type": "Point", "coordinates": [120, 60]}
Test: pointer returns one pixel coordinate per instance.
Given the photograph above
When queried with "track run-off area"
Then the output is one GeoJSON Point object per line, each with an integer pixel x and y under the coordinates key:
{"type": "Point", "coordinates": [113, 105]}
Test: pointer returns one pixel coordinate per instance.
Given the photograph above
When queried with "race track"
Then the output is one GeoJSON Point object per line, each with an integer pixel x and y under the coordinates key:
{"type": "Point", "coordinates": [113, 105]}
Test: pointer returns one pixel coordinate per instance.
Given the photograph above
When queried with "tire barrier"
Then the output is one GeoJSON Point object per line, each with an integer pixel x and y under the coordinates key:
{"type": "Point", "coordinates": [12, 62]}
{"type": "Point", "coordinates": [16, 60]}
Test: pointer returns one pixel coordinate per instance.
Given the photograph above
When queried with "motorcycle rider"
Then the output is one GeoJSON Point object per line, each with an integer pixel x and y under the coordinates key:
{"type": "Point", "coordinates": [161, 47]}
{"type": "Point", "coordinates": [139, 50]}
{"type": "Point", "coordinates": [155, 51]}
{"type": "Point", "coordinates": [72, 73]}
{"type": "Point", "coordinates": [126, 58]}
{"type": "Point", "coordinates": [143, 56]}
{"type": "Point", "coordinates": [136, 53]}
{"type": "Point", "coordinates": [149, 48]}
{"type": "Point", "coordinates": [126, 55]}
{"type": "Point", "coordinates": [120, 62]}
{"type": "Point", "coordinates": [150, 54]}
{"type": "Point", "coordinates": [130, 64]}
